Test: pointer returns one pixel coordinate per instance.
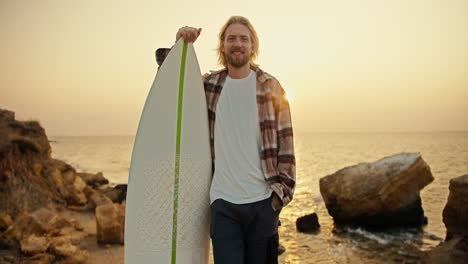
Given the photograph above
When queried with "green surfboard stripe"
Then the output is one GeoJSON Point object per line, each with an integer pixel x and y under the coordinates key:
{"type": "Point", "coordinates": [177, 158]}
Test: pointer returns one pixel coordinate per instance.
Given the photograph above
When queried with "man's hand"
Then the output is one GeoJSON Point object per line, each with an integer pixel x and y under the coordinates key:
{"type": "Point", "coordinates": [189, 34]}
{"type": "Point", "coordinates": [276, 202]}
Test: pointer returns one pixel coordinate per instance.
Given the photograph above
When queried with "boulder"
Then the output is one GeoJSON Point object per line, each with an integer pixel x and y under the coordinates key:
{"type": "Point", "coordinates": [308, 223]}
{"type": "Point", "coordinates": [34, 245]}
{"type": "Point", "coordinates": [384, 193]}
{"type": "Point", "coordinates": [455, 214]}
{"type": "Point", "coordinates": [110, 223]}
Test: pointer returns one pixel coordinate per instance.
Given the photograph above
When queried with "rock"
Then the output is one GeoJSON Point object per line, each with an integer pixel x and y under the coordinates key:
{"type": "Point", "coordinates": [454, 251]}
{"type": "Point", "coordinates": [97, 199]}
{"type": "Point", "coordinates": [385, 193]}
{"type": "Point", "coordinates": [5, 221]}
{"type": "Point", "coordinates": [70, 187]}
{"type": "Point", "coordinates": [455, 214]}
{"type": "Point", "coordinates": [41, 222]}
{"type": "Point", "coordinates": [68, 177]}
{"type": "Point", "coordinates": [77, 197]}
{"type": "Point", "coordinates": [26, 225]}
{"type": "Point", "coordinates": [121, 187]}
{"type": "Point", "coordinates": [37, 169]}
{"type": "Point", "coordinates": [80, 257]}
{"type": "Point", "coordinates": [9, 259]}
{"type": "Point", "coordinates": [7, 243]}
{"type": "Point", "coordinates": [66, 249]}
{"type": "Point", "coordinates": [110, 223]}
{"type": "Point", "coordinates": [281, 249]}
{"type": "Point", "coordinates": [40, 259]}
{"type": "Point", "coordinates": [62, 166]}
{"type": "Point", "coordinates": [71, 253]}
{"type": "Point", "coordinates": [59, 183]}
{"type": "Point", "coordinates": [7, 116]}
{"type": "Point", "coordinates": [117, 194]}
{"type": "Point", "coordinates": [29, 135]}
{"type": "Point", "coordinates": [94, 180]}
{"type": "Point", "coordinates": [308, 223]}
{"type": "Point", "coordinates": [34, 245]}
{"type": "Point", "coordinates": [5, 176]}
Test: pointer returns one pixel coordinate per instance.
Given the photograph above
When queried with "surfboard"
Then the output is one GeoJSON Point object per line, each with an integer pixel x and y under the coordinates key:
{"type": "Point", "coordinates": [167, 206]}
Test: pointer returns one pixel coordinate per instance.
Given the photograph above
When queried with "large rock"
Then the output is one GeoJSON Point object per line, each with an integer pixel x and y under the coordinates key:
{"type": "Point", "coordinates": [380, 194]}
{"type": "Point", "coordinates": [455, 248]}
{"type": "Point", "coordinates": [110, 223]}
{"type": "Point", "coordinates": [29, 178]}
{"type": "Point", "coordinates": [455, 213]}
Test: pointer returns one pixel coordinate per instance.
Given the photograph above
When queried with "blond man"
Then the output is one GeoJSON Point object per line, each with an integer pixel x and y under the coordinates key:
{"type": "Point", "coordinates": [251, 147]}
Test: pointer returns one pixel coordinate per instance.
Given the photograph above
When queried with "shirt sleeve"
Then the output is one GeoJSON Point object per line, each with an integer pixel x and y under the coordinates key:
{"type": "Point", "coordinates": [286, 157]}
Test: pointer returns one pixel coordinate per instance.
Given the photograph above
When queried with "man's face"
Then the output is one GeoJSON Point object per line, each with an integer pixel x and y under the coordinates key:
{"type": "Point", "coordinates": [237, 46]}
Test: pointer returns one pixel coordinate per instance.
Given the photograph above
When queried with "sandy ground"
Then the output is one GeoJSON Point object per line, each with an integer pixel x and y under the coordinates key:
{"type": "Point", "coordinates": [113, 254]}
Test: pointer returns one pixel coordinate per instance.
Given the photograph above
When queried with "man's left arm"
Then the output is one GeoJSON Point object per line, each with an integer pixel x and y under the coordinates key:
{"type": "Point", "coordinates": [286, 157]}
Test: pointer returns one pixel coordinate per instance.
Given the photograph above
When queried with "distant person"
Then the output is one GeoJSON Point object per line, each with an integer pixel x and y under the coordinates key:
{"type": "Point", "coordinates": [252, 148]}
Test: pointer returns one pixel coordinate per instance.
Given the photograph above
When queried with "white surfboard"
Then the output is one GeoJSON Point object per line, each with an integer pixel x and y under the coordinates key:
{"type": "Point", "coordinates": [167, 207]}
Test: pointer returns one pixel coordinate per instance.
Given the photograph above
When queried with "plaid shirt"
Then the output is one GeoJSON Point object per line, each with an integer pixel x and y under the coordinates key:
{"type": "Point", "coordinates": [277, 149]}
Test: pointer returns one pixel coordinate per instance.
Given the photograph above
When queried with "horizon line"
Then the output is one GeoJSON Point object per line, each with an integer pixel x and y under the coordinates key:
{"type": "Point", "coordinates": [296, 132]}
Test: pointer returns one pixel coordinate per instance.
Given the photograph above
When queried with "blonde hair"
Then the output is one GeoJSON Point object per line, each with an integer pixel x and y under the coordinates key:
{"type": "Point", "coordinates": [253, 38]}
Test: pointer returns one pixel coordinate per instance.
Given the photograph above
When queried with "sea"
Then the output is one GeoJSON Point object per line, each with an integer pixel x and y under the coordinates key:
{"type": "Point", "coordinates": [319, 155]}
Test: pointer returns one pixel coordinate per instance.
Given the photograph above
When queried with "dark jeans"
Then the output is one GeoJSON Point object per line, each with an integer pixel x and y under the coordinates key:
{"type": "Point", "coordinates": [244, 233]}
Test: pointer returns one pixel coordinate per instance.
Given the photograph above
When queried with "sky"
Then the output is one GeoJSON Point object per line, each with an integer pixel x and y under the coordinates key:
{"type": "Point", "coordinates": [85, 67]}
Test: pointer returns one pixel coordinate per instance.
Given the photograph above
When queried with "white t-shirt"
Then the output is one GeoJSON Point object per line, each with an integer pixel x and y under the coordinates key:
{"type": "Point", "coordinates": [238, 176]}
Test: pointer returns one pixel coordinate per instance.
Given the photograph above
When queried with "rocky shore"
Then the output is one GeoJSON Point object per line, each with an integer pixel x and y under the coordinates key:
{"type": "Point", "coordinates": [49, 212]}
{"type": "Point", "coordinates": [386, 194]}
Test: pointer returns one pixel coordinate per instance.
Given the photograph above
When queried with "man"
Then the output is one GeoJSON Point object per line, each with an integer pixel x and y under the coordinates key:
{"type": "Point", "coordinates": [251, 147]}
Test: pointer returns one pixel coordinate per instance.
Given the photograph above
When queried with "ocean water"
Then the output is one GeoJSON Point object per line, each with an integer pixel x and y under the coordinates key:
{"type": "Point", "coordinates": [318, 155]}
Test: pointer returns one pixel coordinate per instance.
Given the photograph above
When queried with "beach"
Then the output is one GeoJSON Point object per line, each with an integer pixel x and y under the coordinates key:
{"type": "Point", "coordinates": [318, 155]}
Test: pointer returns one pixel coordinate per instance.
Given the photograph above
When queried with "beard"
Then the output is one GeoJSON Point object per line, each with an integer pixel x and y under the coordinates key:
{"type": "Point", "coordinates": [236, 61]}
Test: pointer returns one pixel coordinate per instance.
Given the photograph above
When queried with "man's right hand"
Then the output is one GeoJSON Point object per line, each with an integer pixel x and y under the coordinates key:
{"type": "Point", "coordinates": [189, 34]}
